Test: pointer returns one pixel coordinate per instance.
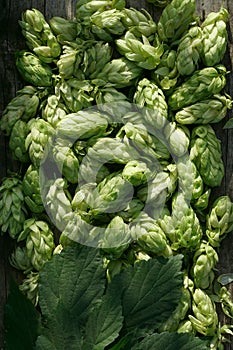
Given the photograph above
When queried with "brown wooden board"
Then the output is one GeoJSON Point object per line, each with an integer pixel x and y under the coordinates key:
{"type": "Point", "coordinates": [12, 40]}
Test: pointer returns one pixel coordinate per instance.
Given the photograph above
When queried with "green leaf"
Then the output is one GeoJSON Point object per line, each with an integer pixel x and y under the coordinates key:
{"type": "Point", "coordinates": [229, 124]}
{"type": "Point", "coordinates": [225, 278]}
{"type": "Point", "coordinates": [171, 341]}
{"type": "Point", "coordinates": [150, 291]}
{"type": "Point", "coordinates": [69, 286]}
{"type": "Point", "coordinates": [20, 321]}
{"type": "Point", "coordinates": [104, 323]}
{"type": "Point", "coordinates": [42, 343]}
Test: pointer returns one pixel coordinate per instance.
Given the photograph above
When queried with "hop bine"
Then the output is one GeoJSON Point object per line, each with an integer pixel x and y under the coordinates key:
{"type": "Point", "coordinates": [33, 70]}
{"type": "Point", "coordinates": [202, 85]}
{"type": "Point", "coordinates": [13, 211]}
{"type": "Point", "coordinates": [206, 153]}
{"type": "Point", "coordinates": [24, 106]}
{"type": "Point", "coordinates": [175, 19]}
{"type": "Point", "coordinates": [39, 36]}
{"type": "Point", "coordinates": [214, 37]}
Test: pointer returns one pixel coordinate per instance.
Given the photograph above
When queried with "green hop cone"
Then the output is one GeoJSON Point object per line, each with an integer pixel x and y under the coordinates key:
{"type": "Point", "coordinates": [132, 210]}
{"type": "Point", "coordinates": [53, 110]}
{"type": "Point", "coordinates": [24, 106]}
{"type": "Point", "coordinates": [120, 73]}
{"type": "Point", "coordinates": [20, 260]}
{"type": "Point", "coordinates": [37, 139]}
{"type": "Point", "coordinates": [111, 195]}
{"type": "Point", "coordinates": [31, 190]}
{"type": "Point", "coordinates": [204, 319]}
{"type": "Point", "coordinates": [39, 242]}
{"type": "Point", "coordinates": [150, 96]}
{"type": "Point", "coordinates": [107, 25]}
{"type": "Point", "coordinates": [116, 238]}
{"type": "Point", "coordinates": [29, 287]}
{"type": "Point", "coordinates": [188, 51]}
{"type": "Point", "coordinates": [66, 160]}
{"type": "Point", "coordinates": [166, 73]}
{"type": "Point", "coordinates": [205, 152]}
{"type": "Point", "coordinates": [82, 125]}
{"type": "Point", "coordinates": [202, 84]}
{"type": "Point", "coordinates": [211, 110]}
{"type": "Point", "coordinates": [33, 70]}
{"type": "Point", "coordinates": [136, 172]}
{"type": "Point", "coordinates": [17, 141]}
{"type": "Point", "coordinates": [95, 58]}
{"type": "Point", "coordinates": [39, 36]}
{"type": "Point", "coordinates": [219, 221]}
{"type": "Point", "coordinates": [175, 19]}
{"type": "Point", "coordinates": [57, 202]}
{"type": "Point", "coordinates": [140, 51]}
{"type": "Point", "coordinates": [149, 236]}
{"type": "Point", "coordinates": [204, 262]}
{"type": "Point", "coordinates": [65, 30]}
{"type": "Point", "coordinates": [139, 23]}
{"type": "Point", "coordinates": [69, 61]}
{"type": "Point", "coordinates": [214, 37]}
{"type": "Point", "coordinates": [75, 93]}
{"type": "Point", "coordinates": [13, 211]}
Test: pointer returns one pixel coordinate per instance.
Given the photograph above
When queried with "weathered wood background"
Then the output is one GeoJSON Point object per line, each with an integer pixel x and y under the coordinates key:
{"type": "Point", "coordinates": [11, 40]}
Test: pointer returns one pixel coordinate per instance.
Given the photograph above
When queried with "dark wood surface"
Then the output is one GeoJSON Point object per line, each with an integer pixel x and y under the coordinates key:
{"type": "Point", "coordinates": [11, 40]}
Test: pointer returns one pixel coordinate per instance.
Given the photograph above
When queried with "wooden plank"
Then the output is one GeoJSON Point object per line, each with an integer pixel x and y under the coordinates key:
{"type": "Point", "coordinates": [11, 40]}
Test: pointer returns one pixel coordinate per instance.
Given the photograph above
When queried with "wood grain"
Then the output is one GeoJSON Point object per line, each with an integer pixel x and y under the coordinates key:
{"type": "Point", "coordinates": [11, 40]}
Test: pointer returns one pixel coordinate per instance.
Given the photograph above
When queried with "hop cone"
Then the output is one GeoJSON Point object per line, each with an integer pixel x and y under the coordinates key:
{"type": "Point", "coordinates": [54, 110]}
{"type": "Point", "coordinates": [24, 106]}
{"type": "Point", "coordinates": [57, 202]}
{"type": "Point", "coordinates": [17, 141]}
{"type": "Point", "coordinates": [120, 73]}
{"type": "Point", "coordinates": [149, 236]}
{"type": "Point", "coordinates": [183, 227]}
{"type": "Point", "coordinates": [144, 54]}
{"type": "Point", "coordinates": [20, 259]}
{"type": "Point", "coordinates": [39, 242]}
{"type": "Point", "coordinates": [188, 51]}
{"type": "Point", "coordinates": [12, 208]}
{"type": "Point", "coordinates": [29, 287]}
{"type": "Point", "coordinates": [75, 93]}
{"type": "Point", "coordinates": [82, 125]}
{"type": "Point", "coordinates": [33, 70]}
{"type": "Point", "coordinates": [107, 25]}
{"type": "Point", "coordinates": [219, 221]}
{"type": "Point", "coordinates": [136, 172]}
{"type": "Point", "coordinates": [37, 139]}
{"type": "Point", "coordinates": [65, 30]}
{"type": "Point", "coordinates": [166, 73]}
{"type": "Point", "coordinates": [39, 36]}
{"type": "Point", "coordinates": [211, 110]}
{"type": "Point", "coordinates": [69, 61]}
{"type": "Point", "coordinates": [204, 262]}
{"type": "Point", "coordinates": [31, 190]}
{"type": "Point", "coordinates": [206, 153]}
{"type": "Point", "coordinates": [95, 58]}
{"type": "Point", "coordinates": [116, 238]}
{"type": "Point", "coordinates": [214, 37]}
{"type": "Point", "coordinates": [66, 160]}
{"type": "Point", "coordinates": [200, 86]}
{"type": "Point", "coordinates": [204, 319]}
{"type": "Point", "coordinates": [139, 23]}
{"type": "Point", "coordinates": [150, 96]}
{"type": "Point", "coordinates": [175, 19]}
